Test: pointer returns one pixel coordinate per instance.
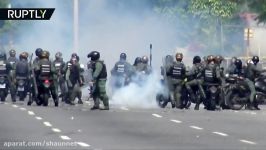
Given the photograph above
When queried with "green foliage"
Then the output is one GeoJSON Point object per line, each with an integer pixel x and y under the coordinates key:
{"type": "Point", "coordinates": [201, 21]}
{"type": "Point", "coordinates": [259, 6]}
{"type": "Point", "coordinates": [213, 8]}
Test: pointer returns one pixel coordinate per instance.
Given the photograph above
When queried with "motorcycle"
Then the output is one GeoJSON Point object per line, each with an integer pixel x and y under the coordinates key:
{"type": "Point", "coordinates": [163, 97]}
{"type": "Point", "coordinates": [45, 92]}
{"type": "Point", "coordinates": [212, 95]}
{"type": "Point", "coordinates": [238, 94]}
{"type": "Point", "coordinates": [3, 88]}
{"type": "Point", "coordinates": [22, 88]}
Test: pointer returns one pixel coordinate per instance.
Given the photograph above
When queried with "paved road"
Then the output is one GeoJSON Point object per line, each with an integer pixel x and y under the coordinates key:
{"type": "Point", "coordinates": [123, 128]}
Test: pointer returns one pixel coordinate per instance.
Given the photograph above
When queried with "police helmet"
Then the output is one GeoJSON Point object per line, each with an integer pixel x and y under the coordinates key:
{"type": "Point", "coordinates": [219, 59]}
{"type": "Point", "coordinates": [233, 59]}
{"type": "Point", "coordinates": [238, 63]}
{"type": "Point", "coordinates": [123, 56]}
{"type": "Point", "coordinates": [23, 55]}
{"type": "Point", "coordinates": [58, 55]}
{"type": "Point", "coordinates": [38, 52]}
{"type": "Point", "coordinates": [179, 56]}
{"type": "Point", "coordinates": [12, 53]}
{"type": "Point", "coordinates": [169, 59]}
{"type": "Point", "coordinates": [144, 59]}
{"type": "Point", "coordinates": [255, 59]}
{"type": "Point", "coordinates": [94, 55]}
{"type": "Point", "coordinates": [210, 58]}
{"type": "Point", "coordinates": [45, 54]}
{"type": "Point", "coordinates": [196, 60]}
{"type": "Point", "coordinates": [137, 61]}
{"type": "Point", "coordinates": [74, 55]}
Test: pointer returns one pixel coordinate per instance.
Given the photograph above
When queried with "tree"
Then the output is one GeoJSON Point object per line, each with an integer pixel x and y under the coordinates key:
{"type": "Point", "coordinates": [200, 21]}
{"type": "Point", "coordinates": [259, 6]}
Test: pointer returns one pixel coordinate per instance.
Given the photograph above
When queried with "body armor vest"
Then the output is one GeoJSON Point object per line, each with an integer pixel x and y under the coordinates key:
{"type": "Point", "coordinates": [22, 69]}
{"type": "Point", "coordinates": [103, 74]}
{"type": "Point", "coordinates": [12, 61]}
{"type": "Point", "coordinates": [178, 71]}
{"type": "Point", "coordinates": [45, 68]}
{"type": "Point", "coordinates": [209, 73]}
{"type": "Point", "coordinates": [120, 68]}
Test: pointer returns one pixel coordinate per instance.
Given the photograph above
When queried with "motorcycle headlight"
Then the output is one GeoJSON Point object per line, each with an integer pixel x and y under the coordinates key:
{"type": "Point", "coordinates": [213, 89]}
{"type": "Point", "coordinates": [21, 82]}
{"type": "Point", "coordinates": [82, 66]}
{"type": "Point", "coordinates": [227, 75]}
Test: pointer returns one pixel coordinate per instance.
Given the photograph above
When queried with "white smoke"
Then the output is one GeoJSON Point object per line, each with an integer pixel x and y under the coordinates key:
{"type": "Point", "coordinates": [139, 95]}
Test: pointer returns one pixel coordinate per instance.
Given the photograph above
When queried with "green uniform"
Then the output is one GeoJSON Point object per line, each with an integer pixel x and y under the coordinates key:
{"type": "Point", "coordinates": [99, 75]}
{"type": "Point", "coordinates": [73, 80]}
{"type": "Point", "coordinates": [252, 71]}
{"type": "Point", "coordinates": [176, 73]}
{"type": "Point", "coordinates": [195, 75]}
{"type": "Point", "coordinates": [51, 75]}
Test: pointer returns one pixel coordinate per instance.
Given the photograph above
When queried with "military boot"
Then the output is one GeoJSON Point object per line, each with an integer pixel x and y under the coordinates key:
{"type": "Point", "coordinates": [196, 107]}
{"type": "Point", "coordinates": [250, 107]}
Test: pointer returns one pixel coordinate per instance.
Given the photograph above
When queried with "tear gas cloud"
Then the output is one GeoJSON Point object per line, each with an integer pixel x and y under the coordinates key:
{"type": "Point", "coordinates": [110, 27]}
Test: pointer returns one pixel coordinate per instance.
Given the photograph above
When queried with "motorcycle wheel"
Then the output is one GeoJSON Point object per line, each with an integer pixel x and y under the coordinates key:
{"type": "Point", "coordinates": [161, 101]}
{"type": "Point", "coordinates": [2, 96]}
{"type": "Point", "coordinates": [45, 100]}
{"type": "Point", "coordinates": [212, 104]}
{"type": "Point", "coordinates": [231, 100]}
{"type": "Point", "coordinates": [21, 96]}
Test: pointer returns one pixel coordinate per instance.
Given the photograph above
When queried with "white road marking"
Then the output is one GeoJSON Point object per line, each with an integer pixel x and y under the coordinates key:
{"type": "Point", "coordinates": [15, 106]}
{"type": "Point", "coordinates": [6, 103]}
{"type": "Point", "coordinates": [65, 137]}
{"type": "Point", "coordinates": [176, 121]}
{"type": "Point", "coordinates": [220, 133]}
{"type": "Point", "coordinates": [48, 124]}
{"type": "Point", "coordinates": [236, 111]}
{"type": "Point", "coordinates": [38, 118]}
{"type": "Point", "coordinates": [124, 108]}
{"type": "Point", "coordinates": [79, 130]}
{"type": "Point", "coordinates": [195, 127]}
{"type": "Point", "coordinates": [248, 142]}
{"type": "Point", "coordinates": [31, 113]}
{"type": "Point", "coordinates": [72, 118]}
{"type": "Point", "coordinates": [156, 115]}
{"type": "Point", "coordinates": [22, 108]}
{"type": "Point", "coordinates": [253, 113]}
{"type": "Point", "coordinates": [83, 144]}
{"type": "Point", "coordinates": [56, 130]}
{"type": "Point", "coordinates": [83, 109]}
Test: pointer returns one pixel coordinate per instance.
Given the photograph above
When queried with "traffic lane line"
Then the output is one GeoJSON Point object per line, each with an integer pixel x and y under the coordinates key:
{"type": "Point", "coordinates": [156, 115]}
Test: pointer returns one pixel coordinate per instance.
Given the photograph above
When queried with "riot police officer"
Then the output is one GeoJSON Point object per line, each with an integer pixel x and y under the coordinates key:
{"type": "Point", "coordinates": [59, 65]}
{"type": "Point", "coordinates": [144, 67]}
{"type": "Point", "coordinates": [5, 68]}
{"type": "Point", "coordinates": [12, 60]}
{"type": "Point", "coordinates": [46, 71]}
{"type": "Point", "coordinates": [137, 61]}
{"type": "Point", "coordinates": [252, 71]}
{"type": "Point", "coordinates": [82, 79]}
{"type": "Point", "coordinates": [195, 79]}
{"type": "Point", "coordinates": [232, 65]}
{"type": "Point", "coordinates": [122, 72]}
{"type": "Point", "coordinates": [99, 75]}
{"type": "Point", "coordinates": [73, 80]}
{"type": "Point", "coordinates": [212, 75]}
{"type": "Point", "coordinates": [177, 73]}
{"type": "Point", "coordinates": [167, 62]}
{"type": "Point", "coordinates": [23, 72]}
